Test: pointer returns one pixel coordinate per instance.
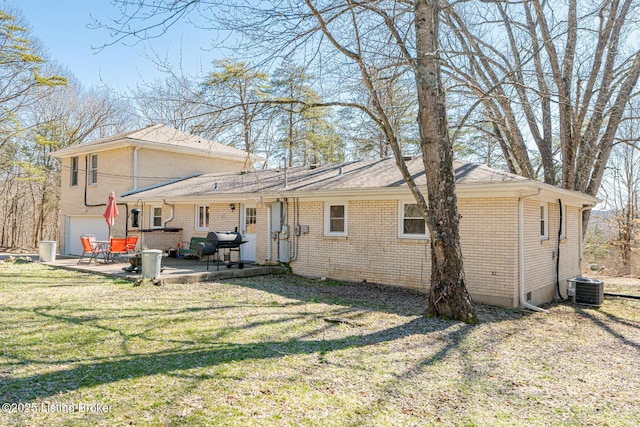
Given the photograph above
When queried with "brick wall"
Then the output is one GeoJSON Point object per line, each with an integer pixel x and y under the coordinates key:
{"type": "Point", "coordinates": [372, 251]}
{"type": "Point", "coordinates": [221, 218]}
{"type": "Point", "coordinates": [540, 255]}
{"type": "Point", "coordinates": [115, 173]}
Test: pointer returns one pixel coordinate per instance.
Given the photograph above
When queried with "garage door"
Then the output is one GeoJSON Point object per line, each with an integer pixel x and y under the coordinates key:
{"type": "Point", "coordinates": [79, 225]}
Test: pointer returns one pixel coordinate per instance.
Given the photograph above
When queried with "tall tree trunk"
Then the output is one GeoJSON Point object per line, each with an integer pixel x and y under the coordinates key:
{"type": "Point", "coordinates": [448, 296]}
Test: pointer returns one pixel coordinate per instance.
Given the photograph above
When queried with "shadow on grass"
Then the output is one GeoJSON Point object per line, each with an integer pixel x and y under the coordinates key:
{"type": "Point", "coordinates": [166, 362]}
{"type": "Point", "coordinates": [352, 297]}
{"type": "Point", "coordinates": [587, 314]}
{"type": "Point", "coordinates": [368, 296]}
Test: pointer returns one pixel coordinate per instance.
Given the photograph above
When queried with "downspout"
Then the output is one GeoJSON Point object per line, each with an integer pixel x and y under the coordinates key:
{"type": "Point", "coordinates": [560, 230]}
{"type": "Point", "coordinates": [135, 167]}
{"type": "Point", "coordinates": [269, 243]}
{"type": "Point", "coordinates": [580, 248]}
{"type": "Point", "coordinates": [296, 225]}
{"type": "Point", "coordinates": [523, 300]}
{"type": "Point", "coordinates": [164, 223]}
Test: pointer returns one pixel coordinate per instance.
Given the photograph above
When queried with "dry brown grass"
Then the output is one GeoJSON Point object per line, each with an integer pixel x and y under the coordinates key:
{"type": "Point", "coordinates": [260, 352]}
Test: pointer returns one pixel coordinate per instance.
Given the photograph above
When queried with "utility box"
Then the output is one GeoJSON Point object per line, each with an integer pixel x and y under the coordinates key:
{"type": "Point", "coordinates": [587, 291]}
{"type": "Point", "coordinates": [276, 216]}
{"type": "Point", "coordinates": [284, 250]}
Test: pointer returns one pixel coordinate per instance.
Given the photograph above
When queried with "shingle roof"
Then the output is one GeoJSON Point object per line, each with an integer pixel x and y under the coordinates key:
{"type": "Point", "coordinates": [160, 135]}
{"type": "Point", "coordinates": [363, 175]}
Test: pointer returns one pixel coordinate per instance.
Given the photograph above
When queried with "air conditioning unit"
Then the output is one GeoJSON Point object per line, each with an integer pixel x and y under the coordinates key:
{"type": "Point", "coordinates": [587, 291]}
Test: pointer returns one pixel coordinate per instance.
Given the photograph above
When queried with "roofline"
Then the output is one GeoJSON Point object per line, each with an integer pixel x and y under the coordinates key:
{"type": "Point", "coordinates": [134, 142]}
{"type": "Point", "coordinates": [464, 191]}
{"type": "Point", "coordinates": [158, 185]}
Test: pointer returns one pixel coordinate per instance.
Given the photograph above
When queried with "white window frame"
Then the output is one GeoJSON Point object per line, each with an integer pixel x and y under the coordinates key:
{"type": "Point", "coordinates": [327, 219]}
{"type": "Point", "coordinates": [543, 226]}
{"type": "Point", "coordinates": [152, 216]}
{"type": "Point", "coordinates": [198, 218]}
{"type": "Point", "coordinates": [401, 218]}
{"type": "Point", "coordinates": [74, 168]}
{"type": "Point", "coordinates": [93, 170]}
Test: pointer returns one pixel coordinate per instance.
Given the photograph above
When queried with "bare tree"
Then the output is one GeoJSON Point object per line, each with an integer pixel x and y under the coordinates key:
{"type": "Point", "coordinates": [177, 101]}
{"type": "Point", "coordinates": [558, 74]}
{"type": "Point", "coordinates": [58, 118]}
{"type": "Point", "coordinates": [621, 185]}
{"type": "Point", "coordinates": [364, 42]}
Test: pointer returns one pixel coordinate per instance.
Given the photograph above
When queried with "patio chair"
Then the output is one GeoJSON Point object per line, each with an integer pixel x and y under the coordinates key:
{"type": "Point", "coordinates": [132, 241]}
{"type": "Point", "coordinates": [89, 246]}
{"type": "Point", "coordinates": [117, 246]}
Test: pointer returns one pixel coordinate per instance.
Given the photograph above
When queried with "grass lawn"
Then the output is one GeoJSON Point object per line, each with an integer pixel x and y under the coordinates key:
{"type": "Point", "coordinates": [284, 350]}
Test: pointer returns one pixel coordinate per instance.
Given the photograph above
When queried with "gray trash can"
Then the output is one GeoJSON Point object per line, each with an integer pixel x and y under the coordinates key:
{"type": "Point", "coordinates": [587, 291]}
{"type": "Point", "coordinates": [151, 259]}
{"type": "Point", "coordinates": [47, 250]}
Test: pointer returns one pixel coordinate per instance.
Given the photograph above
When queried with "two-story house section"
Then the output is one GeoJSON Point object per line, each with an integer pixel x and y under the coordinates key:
{"type": "Point", "coordinates": [126, 162]}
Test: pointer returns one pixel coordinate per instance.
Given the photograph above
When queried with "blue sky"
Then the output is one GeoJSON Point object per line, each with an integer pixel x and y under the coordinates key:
{"type": "Point", "coordinates": [62, 28]}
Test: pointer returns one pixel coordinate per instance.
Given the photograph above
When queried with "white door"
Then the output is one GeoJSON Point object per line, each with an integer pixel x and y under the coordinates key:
{"type": "Point", "coordinates": [248, 229]}
{"type": "Point", "coordinates": [79, 225]}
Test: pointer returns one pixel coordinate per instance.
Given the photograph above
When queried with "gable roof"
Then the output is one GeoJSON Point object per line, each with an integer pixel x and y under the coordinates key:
{"type": "Point", "coordinates": [357, 177]}
{"type": "Point", "coordinates": [159, 137]}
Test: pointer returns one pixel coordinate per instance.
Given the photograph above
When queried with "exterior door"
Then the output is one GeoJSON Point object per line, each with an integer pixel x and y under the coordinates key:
{"type": "Point", "coordinates": [248, 229]}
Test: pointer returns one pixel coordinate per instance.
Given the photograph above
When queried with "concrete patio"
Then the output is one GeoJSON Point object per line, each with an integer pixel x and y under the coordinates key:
{"type": "Point", "coordinates": [174, 270]}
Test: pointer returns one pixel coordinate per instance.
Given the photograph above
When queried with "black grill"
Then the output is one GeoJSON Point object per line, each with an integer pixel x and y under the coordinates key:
{"type": "Point", "coordinates": [221, 241]}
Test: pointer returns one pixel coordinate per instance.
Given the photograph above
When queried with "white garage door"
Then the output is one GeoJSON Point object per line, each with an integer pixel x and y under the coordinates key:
{"type": "Point", "coordinates": [79, 225]}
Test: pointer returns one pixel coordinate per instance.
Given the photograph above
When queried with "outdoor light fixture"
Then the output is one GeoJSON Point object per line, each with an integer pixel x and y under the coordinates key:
{"type": "Point", "coordinates": [233, 207]}
{"type": "Point", "coordinates": [135, 217]}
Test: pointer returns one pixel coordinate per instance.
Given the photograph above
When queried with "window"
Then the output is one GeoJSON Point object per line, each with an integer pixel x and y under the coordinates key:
{"type": "Point", "coordinates": [563, 233]}
{"type": "Point", "coordinates": [335, 219]}
{"type": "Point", "coordinates": [250, 223]}
{"type": "Point", "coordinates": [544, 222]}
{"type": "Point", "coordinates": [156, 217]}
{"type": "Point", "coordinates": [74, 171]}
{"type": "Point", "coordinates": [93, 169]}
{"type": "Point", "coordinates": [411, 224]}
{"type": "Point", "coordinates": [202, 218]}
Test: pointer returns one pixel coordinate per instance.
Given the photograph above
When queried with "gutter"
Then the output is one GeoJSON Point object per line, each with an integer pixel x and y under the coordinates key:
{"type": "Point", "coordinates": [523, 300]}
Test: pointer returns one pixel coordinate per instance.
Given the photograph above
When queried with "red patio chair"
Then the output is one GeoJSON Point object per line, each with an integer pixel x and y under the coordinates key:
{"type": "Point", "coordinates": [132, 241]}
{"type": "Point", "coordinates": [117, 246]}
{"type": "Point", "coordinates": [89, 246]}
